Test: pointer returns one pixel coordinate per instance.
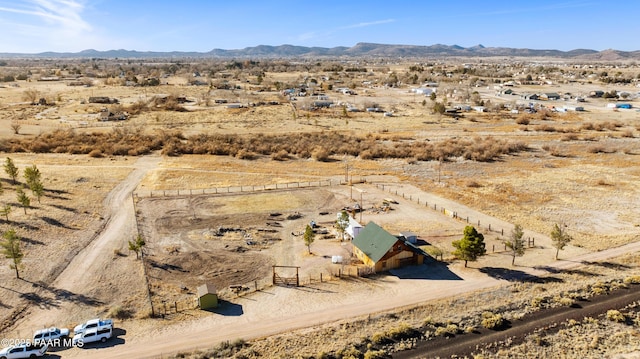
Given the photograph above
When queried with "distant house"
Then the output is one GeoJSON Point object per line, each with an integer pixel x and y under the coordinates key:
{"type": "Point", "coordinates": [383, 251]}
{"type": "Point", "coordinates": [207, 296]}
{"type": "Point", "coordinates": [424, 91]}
{"type": "Point", "coordinates": [596, 94]}
{"type": "Point", "coordinates": [550, 96]}
{"type": "Point", "coordinates": [530, 96]}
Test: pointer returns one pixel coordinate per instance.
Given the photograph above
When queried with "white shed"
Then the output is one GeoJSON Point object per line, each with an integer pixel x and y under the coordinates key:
{"type": "Point", "coordinates": [409, 236]}
{"type": "Point", "coordinates": [354, 228]}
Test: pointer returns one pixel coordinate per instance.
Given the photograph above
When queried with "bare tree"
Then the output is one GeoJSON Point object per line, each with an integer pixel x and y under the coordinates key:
{"type": "Point", "coordinates": [31, 95]}
{"type": "Point", "coordinates": [15, 127]}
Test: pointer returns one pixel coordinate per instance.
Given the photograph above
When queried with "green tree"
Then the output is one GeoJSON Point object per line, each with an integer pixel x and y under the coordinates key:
{"type": "Point", "coordinates": [439, 108]}
{"type": "Point", "coordinates": [470, 246]}
{"type": "Point", "coordinates": [559, 238]}
{"type": "Point", "coordinates": [11, 250]}
{"type": "Point", "coordinates": [5, 211]}
{"type": "Point", "coordinates": [516, 243]}
{"type": "Point", "coordinates": [342, 223]}
{"type": "Point", "coordinates": [309, 237]}
{"type": "Point", "coordinates": [37, 189]}
{"type": "Point", "coordinates": [32, 176]}
{"type": "Point", "coordinates": [23, 199]}
{"type": "Point", "coordinates": [137, 246]}
{"type": "Point", "coordinates": [11, 169]}
{"type": "Point", "coordinates": [433, 96]}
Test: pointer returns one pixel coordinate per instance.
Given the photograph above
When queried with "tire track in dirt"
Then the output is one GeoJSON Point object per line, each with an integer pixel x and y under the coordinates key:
{"type": "Point", "coordinates": [84, 269]}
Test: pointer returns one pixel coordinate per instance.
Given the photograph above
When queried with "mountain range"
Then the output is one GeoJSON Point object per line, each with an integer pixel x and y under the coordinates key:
{"type": "Point", "coordinates": [359, 50]}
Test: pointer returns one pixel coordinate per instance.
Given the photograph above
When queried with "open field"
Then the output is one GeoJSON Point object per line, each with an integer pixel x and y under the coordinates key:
{"type": "Point", "coordinates": [108, 181]}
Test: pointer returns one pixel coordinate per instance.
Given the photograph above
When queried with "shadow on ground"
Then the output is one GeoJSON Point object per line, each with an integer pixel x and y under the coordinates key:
{"type": "Point", "coordinates": [433, 271]}
{"type": "Point", "coordinates": [227, 308]}
{"type": "Point", "coordinates": [513, 275]}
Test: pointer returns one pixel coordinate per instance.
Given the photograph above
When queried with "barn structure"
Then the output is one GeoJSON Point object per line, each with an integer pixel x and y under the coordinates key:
{"type": "Point", "coordinates": [207, 296]}
{"type": "Point", "coordinates": [383, 251]}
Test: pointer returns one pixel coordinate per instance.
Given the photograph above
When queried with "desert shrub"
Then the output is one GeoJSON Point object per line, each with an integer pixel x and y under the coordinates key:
{"type": "Point", "coordinates": [538, 340]}
{"type": "Point", "coordinates": [628, 134]}
{"type": "Point", "coordinates": [119, 313]}
{"type": "Point", "coordinates": [245, 155]}
{"type": "Point", "coordinates": [545, 128]}
{"type": "Point", "coordinates": [95, 153]}
{"type": "Point", "coordinates": [403, 330]}
{"type": "Point", "coordinates": [473, 184]}
{"type": "Point", "coordinates": [597, 149]}
{"type": "Point", "coordinates": [138, 107]}
{"type": "Point", "coordinates": [320, 154]}
{"type": "Point", "coordinates": [469, 329]}
{"type": "Point", "coordinates": [366, 155]}
{"type": "Point", "coordinates": [447, 331]}
{"type": "Point", "coordinates": [634, 279]}
{"type": "Point", "coordinates": [379, 338]}
{"type": "Point", "coordinates": [569, 137]}
{"type": "Point", "coordinates": [492, 321]}
{"type": "Point", "coordinates": [564, 301]}
{"type": "Point", "coordinates": [281, 155]}
{"type": "Point", "coordinates": [523, 120]}
{"type": "Point", "coordinates": [349, 352]}
{"type": "Point", "coordinates": [615, 316]}
{"type": "Point", "coordinates": [375, 354]}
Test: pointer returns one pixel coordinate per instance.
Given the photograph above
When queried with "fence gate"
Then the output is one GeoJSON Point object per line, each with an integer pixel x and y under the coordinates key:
{"type": "Point", "coordinates": [282, 279]}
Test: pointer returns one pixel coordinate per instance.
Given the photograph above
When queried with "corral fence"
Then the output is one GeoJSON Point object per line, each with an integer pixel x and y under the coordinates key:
{"type": "Point", "coordinates": [162, 307]}
{"type": "Point", "coordinates": [235, 189]}
{"type": "Point", "coordinates": [531, 241]}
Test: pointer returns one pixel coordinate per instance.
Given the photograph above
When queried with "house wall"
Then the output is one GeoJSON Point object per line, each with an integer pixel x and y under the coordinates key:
{"type": "Point", "coordinates": [395, 258]}
{"type": "Point", "coordinates": [363, 257]}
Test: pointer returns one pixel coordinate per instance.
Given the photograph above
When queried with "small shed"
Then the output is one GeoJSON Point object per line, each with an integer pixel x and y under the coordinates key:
{"type": "Point", "coordinates": [207, 296]}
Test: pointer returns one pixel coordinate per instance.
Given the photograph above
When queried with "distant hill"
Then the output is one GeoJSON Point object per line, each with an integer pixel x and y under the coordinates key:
{"type": "Point", "coordinates": [359, 50]}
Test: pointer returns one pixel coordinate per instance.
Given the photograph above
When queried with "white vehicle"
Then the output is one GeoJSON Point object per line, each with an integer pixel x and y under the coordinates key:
{"type": "Point", "coordinates": [93, 323]}
{"type": "Point", "coordinates": [50, 335]}
{"type": "Point", "coordinates": [25, 350]}
{"type": "Point", "coordinates": [92, 335]}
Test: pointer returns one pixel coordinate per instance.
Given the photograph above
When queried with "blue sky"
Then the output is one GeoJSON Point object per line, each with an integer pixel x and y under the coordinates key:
{"type": "Point", "coordinates": [31, 26]}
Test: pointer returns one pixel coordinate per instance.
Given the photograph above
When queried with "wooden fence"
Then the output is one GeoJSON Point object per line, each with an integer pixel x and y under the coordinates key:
{"type": "Point", "coordinates": [235, 189]}
{"type": "Point", "coordinates": [451, 213]}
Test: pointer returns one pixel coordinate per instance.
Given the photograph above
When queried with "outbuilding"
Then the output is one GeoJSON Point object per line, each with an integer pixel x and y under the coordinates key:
{"type": "Point", "coordinates": [207, 296]}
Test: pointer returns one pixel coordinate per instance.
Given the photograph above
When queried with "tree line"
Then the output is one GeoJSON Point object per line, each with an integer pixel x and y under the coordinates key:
{"type": "Point", "coordinates": [471, 246]}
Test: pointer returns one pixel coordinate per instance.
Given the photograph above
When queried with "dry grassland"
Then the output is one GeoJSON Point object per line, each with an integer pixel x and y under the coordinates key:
{"type": "Point", "coordinates": [580, 170]}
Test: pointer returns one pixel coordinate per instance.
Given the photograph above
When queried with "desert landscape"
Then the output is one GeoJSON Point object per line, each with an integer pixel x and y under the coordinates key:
{"type": "Point", "coordinates": [218, 166]}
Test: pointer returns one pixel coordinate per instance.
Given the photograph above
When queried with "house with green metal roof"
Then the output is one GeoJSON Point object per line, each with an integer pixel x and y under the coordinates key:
{"type": "Point", "coordinates": [383, 251]}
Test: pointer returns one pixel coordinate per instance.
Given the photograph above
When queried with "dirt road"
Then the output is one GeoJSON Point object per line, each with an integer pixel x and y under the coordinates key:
{"type": "Point", "coordinates": [93, 265]}
{"type": "Point", "coordinates": [299, 308]}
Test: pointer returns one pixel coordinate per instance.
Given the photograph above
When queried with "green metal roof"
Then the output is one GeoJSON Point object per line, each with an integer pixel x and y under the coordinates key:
{"type": "Point", "coordinates": [374, 241]}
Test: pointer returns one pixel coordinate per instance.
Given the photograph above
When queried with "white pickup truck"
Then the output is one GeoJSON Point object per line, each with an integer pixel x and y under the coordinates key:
{"type": "Point", "coordinates": [92, 335]}
{"type": "Point", "coordinates": [93, 324]}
